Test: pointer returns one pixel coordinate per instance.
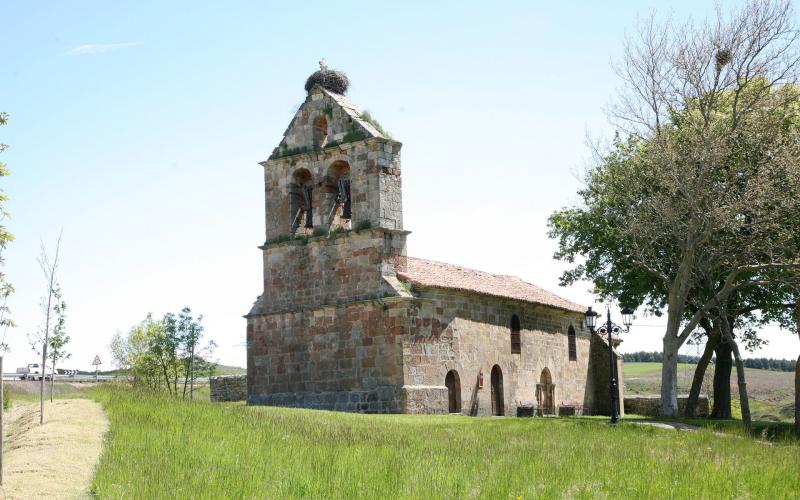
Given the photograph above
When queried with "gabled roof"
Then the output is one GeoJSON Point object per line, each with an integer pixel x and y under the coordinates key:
{"type": "Point", "coordinates": [338, 100]}
{"type": "Point", "coordinates": [352, 110]}
{"type": "Point", "coordinates": [429, 273]}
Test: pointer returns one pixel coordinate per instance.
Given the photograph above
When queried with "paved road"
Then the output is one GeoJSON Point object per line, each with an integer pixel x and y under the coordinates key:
{"type": "Point", "coordinates": [87, 378]}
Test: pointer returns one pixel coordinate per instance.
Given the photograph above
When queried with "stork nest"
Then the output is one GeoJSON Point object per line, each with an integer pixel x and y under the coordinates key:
{"type": "Point", "coordinates": [329, 79]}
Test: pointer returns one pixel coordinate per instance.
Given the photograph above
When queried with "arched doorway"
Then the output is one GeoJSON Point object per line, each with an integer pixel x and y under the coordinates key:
{"type": "Point", "coordinates": [497, 391]}
{"type": "Point", "coordinates": [545, 393]}
{"type": "Point", "coordinates": [453, 384]}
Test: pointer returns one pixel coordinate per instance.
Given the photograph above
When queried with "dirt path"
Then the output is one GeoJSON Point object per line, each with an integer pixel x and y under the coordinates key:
{"type": "Point", "coordinates": [55, 460]}
{"type": "Point", "coordinates": [677, 426]}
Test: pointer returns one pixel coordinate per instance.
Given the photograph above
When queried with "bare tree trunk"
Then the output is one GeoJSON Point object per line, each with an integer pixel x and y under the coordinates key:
{"type": "Point", "coordinates": [796, 398]}
{"type": "Point", "coordinates": [44, 354]}
{"type": "Point", "coordinates": [669, 378]}
{"type": "Point", "coordinates": [52, 381]}
{"type": "Point", "coordinates": [796, 372]}
{"type": "Point", "coordinates": [2, 411]}
{"type": "Point", "coordinates": [722, 382]}
{"type": "Point", "coordinates": [50, 273]}
{"type": "Point", "coordinates": [744, 401]}
{"type": "Point", "coordinates": [700, 372]}
{"type": "Point", "coordinates": [191, 369]}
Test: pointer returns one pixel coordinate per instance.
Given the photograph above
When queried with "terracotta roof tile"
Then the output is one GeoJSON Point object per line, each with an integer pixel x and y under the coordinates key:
{"type": "Point", "coordinates": [428, 273]}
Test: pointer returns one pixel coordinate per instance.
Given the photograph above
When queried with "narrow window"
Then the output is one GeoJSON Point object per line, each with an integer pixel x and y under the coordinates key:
{"type": "Point", "coordinates": [516, 342]}
{"type": "Point", "coordinates": [573, 349]}
{"type": "Point", "coordinates": [300, 200]}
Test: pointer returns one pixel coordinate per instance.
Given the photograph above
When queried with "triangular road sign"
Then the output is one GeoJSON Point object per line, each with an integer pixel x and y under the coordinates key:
{"type": "Point", "coordinates": [96, 361]}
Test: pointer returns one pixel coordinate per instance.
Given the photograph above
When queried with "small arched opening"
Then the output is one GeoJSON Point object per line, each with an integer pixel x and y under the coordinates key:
{"type": "Point", "coordinates": [545, 393]}
{"type": "Point", "coordinates": [516, 341]}
{"type": "Point", "coordinates": [498, 405]}
{"type": "Point", "coordinates": [319, 132]}
{"type": "Point", "coordinates": [572, 346]}
{"type": "Point", "coordinates": [338, 200]}
{"type": "Point", "coordinates": [453, 384]}
{"type": "Point", "coordinates": [301, 200]}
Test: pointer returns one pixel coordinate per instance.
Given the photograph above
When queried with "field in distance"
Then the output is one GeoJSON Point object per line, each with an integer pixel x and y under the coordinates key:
{"type": "Point", "coordinates": [771, 392]}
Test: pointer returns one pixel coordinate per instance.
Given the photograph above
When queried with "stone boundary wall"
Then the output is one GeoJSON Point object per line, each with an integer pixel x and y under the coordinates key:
{"type": "Point", "coordinates": [650, 406]}
{"type": "Point", "coordinates": [384, 399]}
{"type": "Point", "coordinates": [230, 388]}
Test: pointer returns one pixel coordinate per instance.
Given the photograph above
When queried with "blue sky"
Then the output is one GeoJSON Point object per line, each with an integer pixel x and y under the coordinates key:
{"type": "Point", "coordinates": [137, 127]}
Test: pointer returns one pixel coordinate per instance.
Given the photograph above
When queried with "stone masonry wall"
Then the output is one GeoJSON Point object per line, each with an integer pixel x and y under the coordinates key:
{"type": "Point", "coordinates": [650, 406]}
{"type": "Point", "coordinates": [470, 333]}
{"type": "Point", "coordinates": [373, 162]}
{"type": "Point", "coordinates": [230, 388]}
{"type": "Point", "coordinates": [330, 270]}
{"type": "Point", "coordinates": [345, 357]}
{"type": "Point", "coordinates": [599, 378]}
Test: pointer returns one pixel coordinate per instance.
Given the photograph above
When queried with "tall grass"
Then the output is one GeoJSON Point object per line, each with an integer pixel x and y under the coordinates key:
{"type": "Point", "coordinates": [161, 448]}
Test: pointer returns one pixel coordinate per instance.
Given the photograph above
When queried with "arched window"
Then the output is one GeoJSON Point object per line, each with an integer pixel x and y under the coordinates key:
{"type": "Point", "coordinates": [573, 348]}
{"type": "Point", "coordinates": [337, 195]}
{"type": "Point", "coordinates": [300, 200]}
{"type": "Point", "coordinates": [319, 132]}
{"type": "Point", "coordinates": [516, 341]}
{"type": "Point", "coordinates": [453, 384]}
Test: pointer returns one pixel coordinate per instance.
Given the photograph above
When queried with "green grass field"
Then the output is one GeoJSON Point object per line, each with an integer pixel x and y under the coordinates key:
{"type": "Point", "coordinates": [161, 448]}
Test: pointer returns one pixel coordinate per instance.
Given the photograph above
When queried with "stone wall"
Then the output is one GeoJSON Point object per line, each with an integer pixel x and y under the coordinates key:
{"type": "Point", "coordinates": [393, 354]}
{"type": "Point", "coordinates": [650, 406]}
{"type": "Point", "coordinates": [599, 382]}
{"type": "Point", "coordinates": [373, 165]}
{"type": "Point", "coordinates": [345, 357]}
{"type": "Point", "coordinates": [470, 333]}
{"type": "Point", "coordinates": [343, 268]}
{"type": "Point", "coordinates": [230, 388]}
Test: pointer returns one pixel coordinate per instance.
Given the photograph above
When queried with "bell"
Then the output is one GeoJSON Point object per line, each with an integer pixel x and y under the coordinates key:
{"type": "Point", "coordinates": [344, 198]}
{"type": "Point", "coordinates": [309, 213]}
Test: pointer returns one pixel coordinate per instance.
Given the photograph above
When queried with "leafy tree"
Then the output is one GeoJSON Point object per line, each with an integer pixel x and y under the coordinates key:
{"type": "Point", "coordinates": [132, 353]}
{"type": "Point", "coordinates": [5, 288]}
{"type": "Point", "coordinates": [59, 338]}
{"type": "Point", "coordinates": [160, 353]}
{"type": "Point", "coordinates": [698, 201]}
{"type": "Point", "coordinates": [5, 238]}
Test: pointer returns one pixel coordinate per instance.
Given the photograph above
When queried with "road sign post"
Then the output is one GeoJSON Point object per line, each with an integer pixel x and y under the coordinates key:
{"type": "Point", "coordinates": [96, 364]}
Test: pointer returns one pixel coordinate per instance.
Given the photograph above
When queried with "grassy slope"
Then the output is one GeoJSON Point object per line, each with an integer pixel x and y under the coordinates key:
{"type": "Point", "coordinates": [167, 449]}
{"type": "Point", "coordinates": [771, 392]}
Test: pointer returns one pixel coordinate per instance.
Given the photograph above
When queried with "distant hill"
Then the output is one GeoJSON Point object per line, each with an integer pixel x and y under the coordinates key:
{"type": "Point", "coordinates": [229, 370]}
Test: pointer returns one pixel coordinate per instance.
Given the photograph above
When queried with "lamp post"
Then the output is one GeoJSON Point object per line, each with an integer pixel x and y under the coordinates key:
{"type": "Point", "coordinates": [611, 328]}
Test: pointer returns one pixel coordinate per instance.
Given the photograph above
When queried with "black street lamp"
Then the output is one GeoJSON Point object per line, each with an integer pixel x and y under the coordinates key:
{"type": "Point", "coordinates": [611, 328]}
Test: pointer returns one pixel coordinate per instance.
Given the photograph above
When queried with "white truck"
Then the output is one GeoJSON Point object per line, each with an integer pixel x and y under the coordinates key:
{"type": "Point", "coordinates": [34, 372]}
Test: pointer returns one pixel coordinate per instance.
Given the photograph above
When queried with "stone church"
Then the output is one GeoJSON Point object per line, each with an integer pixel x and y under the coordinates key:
{"type": "Point", "coordinates": [347, 321]}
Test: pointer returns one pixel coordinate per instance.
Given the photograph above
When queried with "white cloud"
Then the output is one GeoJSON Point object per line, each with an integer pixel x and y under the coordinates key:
{"type": "Point", "coordinates": [99, 48]}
